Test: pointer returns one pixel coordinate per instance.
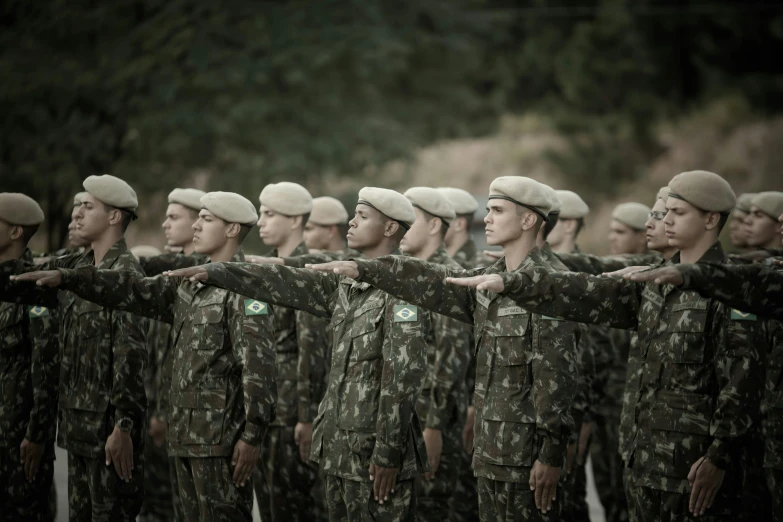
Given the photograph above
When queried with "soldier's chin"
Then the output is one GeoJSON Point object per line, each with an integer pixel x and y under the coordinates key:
{"type": "Point", "coordinates": [353, 243]}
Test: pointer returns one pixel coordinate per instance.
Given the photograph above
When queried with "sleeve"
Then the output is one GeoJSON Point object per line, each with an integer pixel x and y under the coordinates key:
{"type": "Point", "coordinates": [157, 344]}
{"type": "Point", "coordinates": [739, 365]}
{"type": "Point", "coordinates": [404, 368]}
{"type": "Point", "coordinates": [311, 364]}
{"type": "Point", "coordinates": [425, 284]}
{"type": "Point", "coordinates": [126, 290]}
{"type": "Point", "coordinates": [301, 261]}
{"type": "Point", "coordinates": [166, 372]}
{"type": "Point", "coordinates": [452, 353]}
{"type": "Point", "coordinates": [24, 293]}
{"type": "Point", "coordinates": [253, 342]}
{"type": "Point", "coordinates": [298, 288]}
{"type": "Point", "coordinates": [45, 373]}
{"type": "Point", "coordinates": [585, 364]}
{"type": "Point", "coordinates": [129, 351]}
{"type": "Point", "coordinates": [576, 297]}
{"type": "Point", "coordinates": [603, 348]}
{"type": "Point", "coordinates": [156, 265]}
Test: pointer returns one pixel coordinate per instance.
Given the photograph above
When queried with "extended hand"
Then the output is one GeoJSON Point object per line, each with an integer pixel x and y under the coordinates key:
{"type": "Point", "coordinates": [194, 273]}
{"type": "Point", "coordinates": [491, 282]}
{"type": "Point", "coordinates": [244, 461]}
{"type": "Point", "coordinates": [344, 268]}
{"type": "Point", "coordinates": [119, 450]}
{"type": "Point", "coordinates": [31, 454]}
{"type": "Point", "coordinates": [43, 278]}
{"type": "Point", "coordinates": [261, 260]}
{"type": "Point", "coordinates": [543, 480]}
{"type": "Point", "coordinates": [667, 275]}
{"type": "Point", "coordinates": [706, 479]}
{"type": "Point", "coordinates": [303, 436]}
{"type": "Point", "coordinates": [384, 481]}
{"type": "Point", "coordinates": [625, 271]}
{"type": "Point", "coordinates": [433, 440]}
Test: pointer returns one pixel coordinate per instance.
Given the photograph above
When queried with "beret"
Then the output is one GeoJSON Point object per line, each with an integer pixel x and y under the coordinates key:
{"type": "Point", "coordinates": [187, 197]}
{"type": "Point", "coordinates": [230, 207]}
{"type": "Point", "coordinates": [461, 201]}
{"type": "Point", "coordinates": [145, 251]}
{"type": "Point", "coordinates": [328, 211]}
{"type": "Point", "coordinates": [77, 198]}
{"type": "Point", "coordinates": [571, 205]}
{"type": "Point", "coordinates": [555, 199]}
{"type": "Point", "coordinates": [704, 190]}
{"type": "Point", "coordinates": [390, 203]}
{"type": "Point", "coordinates": [523, 191]}
{"type": "Point", "coordinates": [744, 201]}
{"type": "Point", "coordinates": [635, 215]}
{"type": "Point", "coordinates": [291, 199]}
{"type": "Point", "coordinates": [112, 191]}
{"type": "Point", "coordinates": [770, 203]}
{"type": "Point", "coordinates": [430, 200]}
{"type": "Point", "coordinates": [663, 193]}
{"type": "Point", "coordinates": [18, 209]}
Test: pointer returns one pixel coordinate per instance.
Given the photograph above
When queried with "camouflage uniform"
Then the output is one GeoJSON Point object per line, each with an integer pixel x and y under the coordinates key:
{"type": "Point", "coordinates": [223, 382]}
{"type": "Point", "coordinates": [29, 373]}
{"type": "Point", "coordinates": [524, 389]}
{"type": "Point", "coordinates": [103, 361]}
{"type": "Point", "coordinates": [597, 265]}
{"type": "Point", "coordinates": [378, 364]}
{"type": "Point", "coordinates": [699, 381]}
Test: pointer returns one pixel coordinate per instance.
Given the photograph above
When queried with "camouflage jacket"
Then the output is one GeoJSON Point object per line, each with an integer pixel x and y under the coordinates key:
{"type": "Point", "coordinates": [378, 364]}
{"type": "Point", "coordinates": [223, 382]}
{"type": "Point", "coordinates": [103, 355]}
{"type": "Point", "coordinates": [772, 407]}
{"type": "Point", "coordinates": [597, 265]}
{"type": "Point", "coordinates": [29, 373]}
{"type": "Point", "coordinates": [526, 374]}
{"type": "Point", "coordinates": [322, 256]}
{"type": "Point", "coordinates": [701, 380]}
{"type": "Point", "coordinates": [467, 257]}
{"type": "Point", "coordinates": [156, 265]}
{"type": "Point", "coordinates": [158, 338]}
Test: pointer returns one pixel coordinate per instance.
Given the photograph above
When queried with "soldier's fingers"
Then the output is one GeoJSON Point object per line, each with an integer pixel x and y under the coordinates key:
{"type": "Point", "coordinates": [539, 495]}
{"type": "Point", "coordinates": [34, 465]}
{"type": "Point", "coordinates": [27, 461]}
{"type": "Point", "coordinates": [117, 466]}
{"type": "Point", "coordinates": [236, 463]}
{"type": "Point", "coordinates": [709, 496]}
{"type": "Point", "coordinates": [696, 491]}
{"type": "Point", "coordinates": [376, 486]}
{"type": "Point", "coordinates": [124, 466]}
{"type": "Point", "coordinates": [698, 509]}
{"type": "Point", "coordinates": [393, 482]}
{"type": "Point", "coordinates": [386, 487]}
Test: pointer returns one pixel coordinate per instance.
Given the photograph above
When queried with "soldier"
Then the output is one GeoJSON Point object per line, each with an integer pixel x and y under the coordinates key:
{"type": "Point", "coordinates": [223, 389]}
{"type": "Point", "coordinates": [327, 226]}
{"type": "Point", "coordinates": [367, 436]}
{"type": "Point", "coordinates": [103, 359]}
{"type": "Point", "coordinates": [737, 229]}
{"type": "Point", "coordinates": [702, 365]}
{"type": "Point", "coordinates": [763, 228]}
{"type": "Point", "coordinates": [573, 211]}
{"type": "Point", "coordinates": [461, 247]}
{"type": "Point", "coordinates": [524, 387]}
{"type": "Point", "coordinates": [29, 372]}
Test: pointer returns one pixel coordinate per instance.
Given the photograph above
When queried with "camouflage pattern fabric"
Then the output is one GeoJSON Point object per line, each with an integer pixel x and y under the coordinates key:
{"type": "Point", "coordinates": [176, 500]}
{"type": "Point", "coordinates": [156, 265]}
{"type": "Point", "coordinates": [467, 256]}
{"type": "Point", "coordinates": [597, 265]}
{"type": "Point", "coordinates": [655, 505]}
{"type": "Point", "coordinates": [208, 492]}
{"type": "Point", "coordinates": [434, 495]}
{"type": "Point", "coordinates": [352, 501]}
{"type": "Point", "coordinates": [24, 501]}
{"type": "Point", "coordinates": [501, 501]}
{"type": "Point", "coordinates": [97, 494]}
{"type": "Point", "coordinates": [775, 487]}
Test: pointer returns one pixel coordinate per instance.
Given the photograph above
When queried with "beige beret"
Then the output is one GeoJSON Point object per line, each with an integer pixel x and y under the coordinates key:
{"type": "Point", "coordinates": [291, 199]}
{"type": "Point", "coordinates": [523, 191]}
{"type": "Point", "coordinates": [18, 209]}
{"type": "Point", "coordinates": [328, 211]}
{"type": "Point", "coordinates": [187, 197]}
{"type": "Point", "coordinates": [770, 203]}
{"type": "Point", "coordinates": [744, 201]}
{"type": "Point", "coordinates": [556, 205]}
{"type": "Point", "coordinates": [571, 205]}
{"type": "Point", "coordinates": [77, 198]}
{"type": "Point", "coordinates": [230, 207]}
{"type": "Point", "coordinates": [430, 200]}
{"type": "Point", "coordinates": [145, 251]}
{"type": "Point", "coordinates": [390, 203]}
{"type": "Point", "coordinates": [663, 193]}
{"type": "Point", "coordinates": [112, 191]}
{"type": "Point", "coordinates": [704, 190]}
{"type": "Point", "coordinates": [635, 215]}
{"type": "Point", "coordinates": [461, 201]}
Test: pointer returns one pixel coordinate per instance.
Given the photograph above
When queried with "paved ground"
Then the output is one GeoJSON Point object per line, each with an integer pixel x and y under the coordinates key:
{"type": "Point", "coordinates": [61, 477]}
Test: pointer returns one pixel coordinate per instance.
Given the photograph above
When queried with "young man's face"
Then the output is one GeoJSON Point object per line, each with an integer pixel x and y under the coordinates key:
{"type": "Point", "coordinates": [178, 227]}
{"type": "Point", "coordinates": [318, 237]}
{"type": "Point", "coordinates": [210, 233]}
{"type": "Point", "coordinates": [625, 240]}
{"type": "Point", "coordinates": [273, 227]}
{"type": "Point", "coordinates": [458, 225]}
{"type": "Point", "coordinates": [559, 232]}
{"type": "Point", "coordinates": [92, 218]}
{"type": "Point", "coordinates": [74, 237]}
{"type": "Point", "coordinates": [366, 229]}
{"type": "Point", "coordinates": [504, 222]}
{"type": "Point", "coordinates": [685, 224]}
{"type": "Point", "coordinates": [416, 239]}
{"type": "Point", "coordinates": [761, 229]}
{"type": "Point", "coordinates": [656, 232]}
{"type": "Point", "coordinates": [738, 232]}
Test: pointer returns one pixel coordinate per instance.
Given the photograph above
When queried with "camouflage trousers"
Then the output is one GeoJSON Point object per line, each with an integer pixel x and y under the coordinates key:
{"type": "Point", "coordinates": [97, 494]}
{"type": "Point", "coordinates": [352, 501]}
{"type": "Point", "coordinates": [652, 505]}
{"type": "Point", "coordinates": [575, 495]}
{"type": "Point", "coordinates": [318, 495]}
{"type": "Point", "coordinates": [629, 489]}
{"type": "Point", "coordinates": [158, 503]}
{"type": "Point", "coordinates": [775, 488]}
{"type": "Point", "coordinates": [207, 492]}
{"type": "Point", "coordinates": [20, 500]}
{"type": "Point", "coordinates": [463, 505]}
{"type": "Point", "coordinates": [283, 482]}
{"type": "Point", "coordinates": [179, 515]}
{"type": "Point", "coordinates": [608, 466]}
{"type": "Point", "coordinates": [434, 495]}
{"type": "Point", "coordinates": [512, 502]}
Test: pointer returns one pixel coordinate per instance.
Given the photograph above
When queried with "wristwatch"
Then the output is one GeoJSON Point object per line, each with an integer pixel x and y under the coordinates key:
{"type": "Point", "coordinates": [125, 425]}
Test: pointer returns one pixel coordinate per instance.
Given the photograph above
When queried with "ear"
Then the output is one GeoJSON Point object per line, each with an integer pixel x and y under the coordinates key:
{"type": "Point", "coordinates": [16, 232]}
{"type": "Point", "coordinates": [334, 231]}
{"type": "Point", "coordinates": [115, 217]}
{"type": "Point", "coordinates": [713, 218]}
{"type": "Point", "coordinates": [569, 225]}
{"type": "Point", "coordinates": [296, 222]}
{"type": "Point", "coordinates": [459, 224]}
{"type": "Point", "coordinates": [529, 220]}
{"type": "Point", "coordinates": [233, 230]}
{"type": "Point", "coordinates": [435, 225]}
{"type": "Point", "coordinates": [391, 228]}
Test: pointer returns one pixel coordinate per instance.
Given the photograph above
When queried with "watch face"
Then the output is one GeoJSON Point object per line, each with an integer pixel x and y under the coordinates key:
{"type": "Point", "coordinates": [125, 425]}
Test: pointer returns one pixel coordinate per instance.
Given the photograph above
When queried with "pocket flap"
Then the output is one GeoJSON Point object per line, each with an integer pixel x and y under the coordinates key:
{"type": "Point", "coordinates": [200, 400]}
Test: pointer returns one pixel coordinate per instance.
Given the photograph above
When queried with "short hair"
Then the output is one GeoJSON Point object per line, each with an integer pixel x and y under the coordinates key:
{"type": "Point", "coordinates": [724, 218]}
{"type": "Point", "coordinates": [550, 224]}
{"type": "Point", "coordinates": [126, 216]}
{"type": "Point", "coordinates": [244, 230]}
{"type": "Point", "coordinates": [28, 232]}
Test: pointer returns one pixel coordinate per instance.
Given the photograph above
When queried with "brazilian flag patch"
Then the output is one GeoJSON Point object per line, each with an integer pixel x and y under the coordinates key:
{"type": "Point", "coordinates": [37, 311]}
{"type": "Point", "coordinates": [736, 315]}
{"type": "Point", "coordinates": [405, 313]}
{"type": "Point", "coordinates": [253, 307]}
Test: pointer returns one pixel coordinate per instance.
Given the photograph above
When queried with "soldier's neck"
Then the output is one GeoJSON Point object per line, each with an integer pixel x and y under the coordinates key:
{"type": "Point", "coordinates": [516, 251]}
{"type": "Point", "coordinates": [384, 248]}
{"type": "Point", "coordinates": [189, 248]}
{"type": "Point", "coordinates": [566, 246]}
{"type": "Point", "coordinates": [428, 251]}
{"type": "Point", "coordinates": [457, 242]}
{"type": "Point", "coordinates": [225, 253]}
{"type": "Point", "coordinates": [693, 253]}
{"type": "Point", "coordinates": [101, 246]}
{"type": "Point", "coordinates": [14, 251]}
{"type": "Point", "coordinates": [291, 242]}
{"type": "Point", "coordinates": [336, 245]}
{"type": "Point", "coordinates": [668, 253]}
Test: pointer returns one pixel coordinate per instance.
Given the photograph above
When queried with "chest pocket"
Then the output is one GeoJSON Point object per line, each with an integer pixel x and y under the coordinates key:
{"type": "Point", "coordinates": [208, 324]}
{"type": "Point", "coordinates": [12, 331]}
{"type": "Point", "coordinates": [91, 320]}
{"type": "Point", "coordinates": [686, 328]}
{"type": "Point", "coordinates": [512, 346]}
{"type": "Point", "coordinates": [366, 332]}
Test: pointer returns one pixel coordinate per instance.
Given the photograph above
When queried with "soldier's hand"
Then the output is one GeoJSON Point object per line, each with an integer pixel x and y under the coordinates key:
{"type": "Point", "coordinates": [43, 278]}
{"type": "Point", "coordinates": [244, 461]}
{"type": "Point", "coordinates": [543, 480]}
{"type": "Point", "coordinates": [303, 436]}
{"type": "Point", "coordinates": [491, 282]}
{"type": "Point", "coordinates": [467, 431]}
{"type": "Point", "coordinates": [755, 256]}
{"type": "Point", "coordinates": [194, 273]}
{"type": "Point", "coordinates": [625, 271]}
{"type": "Point", "coordinates": [344, 268]}
{"type": "Point", "coordinates": [433, 440]}
{"type": "Point", "coordinates": [584, 443]}
{"type": "Point", "coordinates": [706, 479]}
{"type": "Point", "coordinates": [261, 260]}
{"type": "Point", "coordinates": [384, 481]}
{"type": "Point", "coordinates": [31, 455]}
{"type": "Point", "coordinates": [777, 262]}
{"type": "Point", "coordinates": [157, 431]}
{"type": "Point", "coordinates": [660, 276]}
{"type": "Point", "coordinates": [119, 451]}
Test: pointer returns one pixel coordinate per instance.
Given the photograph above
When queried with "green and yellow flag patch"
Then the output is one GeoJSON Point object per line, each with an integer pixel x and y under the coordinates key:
{"type": "Point", "coordinates": [253, 307]}
{"type": "Point", "coordinates": [37, 311]}
{"type": "Point", "coordinates": [736, 315]}
{"type": "Point", "coordinates": [405, 313]}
